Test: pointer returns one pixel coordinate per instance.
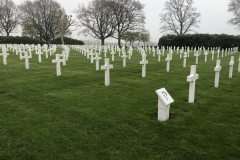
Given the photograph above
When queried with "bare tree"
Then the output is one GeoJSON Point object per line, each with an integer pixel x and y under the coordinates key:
{"type": "Point", "coordinates": [96, 19]}
{"type": "Point", "coordinates": [128, 15]}
{"type": "Point", "coordinates": [63, 22]}
{"type": "Point", "coordinates": [130, 37]}
{"type": "Point", "coordinates": [9, 16]}
{"type": "Point", "coordinates": [40, 16]}
{"type": "Point", "coordinates": [28, 30]}
{"type": "Point", "coordinates": [180, 17]}
{"type": "Point", "coordinates": [234, 7]}
{"type": "Point", "coordinates": [145, 37]}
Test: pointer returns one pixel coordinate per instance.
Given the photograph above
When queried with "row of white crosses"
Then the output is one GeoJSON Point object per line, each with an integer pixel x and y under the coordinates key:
{"type": "Point", "coordinates": [144, 61]}
{"type": "Point", "coordinates": [4, 54]}
{"type": "Point", "coordinates": [193, 76]}
{"type": "Point", "coordinates": [24, 52]}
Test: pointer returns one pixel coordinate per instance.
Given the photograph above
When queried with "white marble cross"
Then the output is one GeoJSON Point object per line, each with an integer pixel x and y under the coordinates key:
{"type": "Point", "coordinates": [112, 53]}
{"type": "Point", "coordinates": [39, 53]}
{"type": "Point", "coordinates": [58, 61]}
{"type": "Point", "coordinates": [217, 70]}
{"type": "Point", "coordinates": [168, 59]}
{"type": "Point", "coordinates": [107, 68]}
{"type": "Point", "coordinates": [184, 59]}
{"type": "Point", "coordinates": [181, 52]}
{"type": "Point", "coordinates": [153, 51]}
{"type": "Point", "coordinates": [196, 55]}
{"type": "Point", "coordinates": [143, 63]}
{"type": "Point", "coordinates": [192, 79]}
{"type": "Point", "coordinates": [97, 58]}
{"type": "Point", "coordinates": [91, 54]}
{"type": "Point", "coordinates": [124, 56]}
{"type": "Point", "coordinates": [159, 55]}
{"type": "Point", "coordinates": [64, 57]}
{"type": "Point", "coordinates": [26, 57]}
{"type": "Point", "coordinates": [212, 54]}
{"type": "Point", "coordinates": [218, 52]}
{"type": "Point", "coordinates": [205, 53]}
{"type": "Point", "coordinates": [231, 63]}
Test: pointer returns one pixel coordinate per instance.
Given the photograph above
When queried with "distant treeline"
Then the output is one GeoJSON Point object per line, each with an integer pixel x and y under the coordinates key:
{"type": "Point", "coordinates": [197, 40]}
{"type": "Point", "coordinates": [28, 40]}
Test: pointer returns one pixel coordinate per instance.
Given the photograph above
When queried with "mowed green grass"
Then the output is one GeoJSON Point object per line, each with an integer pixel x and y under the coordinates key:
{"type": "Point", "coordinates": [75, 116]}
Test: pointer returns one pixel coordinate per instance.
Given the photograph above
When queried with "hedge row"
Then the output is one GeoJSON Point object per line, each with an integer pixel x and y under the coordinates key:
{"type": "Point", "coordinates": [19, 40]}
{"type": "Point", "coordinates": [28, 40]}
{"type": "Point", "coordinates": [197, 40]}
{"type": "Point", "coordinates": [67, 41]}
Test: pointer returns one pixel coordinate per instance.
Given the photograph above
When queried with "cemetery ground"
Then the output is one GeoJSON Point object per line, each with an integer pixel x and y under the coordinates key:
{"type": "Point", "coordinates": [75, 116]}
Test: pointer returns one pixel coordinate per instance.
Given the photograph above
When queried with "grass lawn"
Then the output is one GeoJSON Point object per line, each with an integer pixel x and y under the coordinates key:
{"type": "Point", "coordinates": [75, 116]}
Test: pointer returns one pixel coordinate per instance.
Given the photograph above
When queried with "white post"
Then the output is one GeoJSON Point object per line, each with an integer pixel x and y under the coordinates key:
{"type": "Point", "coordinates": [205, 53]}
{"type": "Point", "coordinates": [184, 59]}
{"type": "Point", "coordinates": [143, 63]}
{"type": "Point", "coordinates": [181, 54]}
{"type": "Point", "coordinates": [159, 55]}
{"type": "Point", "coordinates": [97, 58]}
{"type": "Point", "coordinates": [196, 55]}
{"type": "Point", "coordinates": [112, 53]}
{"type": "Point", "coordinates": [217, 70]}
{"type": "Point", "coordinates": [168, 62]}
{"type": "Point", "coordinates": [107, 68]}
{"type": "Point", "coordinates": [39, 53]}
{"type": "Point", "coordinates": [231, 63]}
{"type": "Point", "coordinates": [192, 79]}
{"type": "Point", "coordinates": [124, 56]}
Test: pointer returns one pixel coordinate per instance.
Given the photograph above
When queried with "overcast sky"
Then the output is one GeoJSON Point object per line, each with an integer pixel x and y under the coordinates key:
{"type": "Point", "coordinates": [214, 16]}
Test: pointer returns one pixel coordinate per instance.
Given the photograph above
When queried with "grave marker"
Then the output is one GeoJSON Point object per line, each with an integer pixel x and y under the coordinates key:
{"type": "Point", "coordinates": [107, 68]}
{"type": "Point", "coordinates": [58, 61]}
{"type": "Point", "coordinates": [168, 59]}
{"type": "Point", "coordinates": [231, 63]}
{"type": "Point", "coordinates": [164, 101]}
{"type": "Point", "coordinates": [184, 59]}
{"type": "Point", "coordinates": [192, 80]}
{"type": "Point", "coordinates": [124, 56]}
{"type": "Point", "coordinates": [143, 63]}
{"type": "Point", "coordinates": [26, 57]}
{"type": "Point", "coordinates": [97, 58]}
{"type": "Point", "coordinates": [217, 70]}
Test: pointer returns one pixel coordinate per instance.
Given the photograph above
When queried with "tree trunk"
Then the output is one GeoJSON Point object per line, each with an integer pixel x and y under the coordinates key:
{"type": "Point", "coordinates": [7, 34]}
{"type": "Point", "coordinates": [102, 41]}
{"type": "Point", "coordinates": [119, 40]}
{"type": "Point", "coordinates": [62, 40]}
